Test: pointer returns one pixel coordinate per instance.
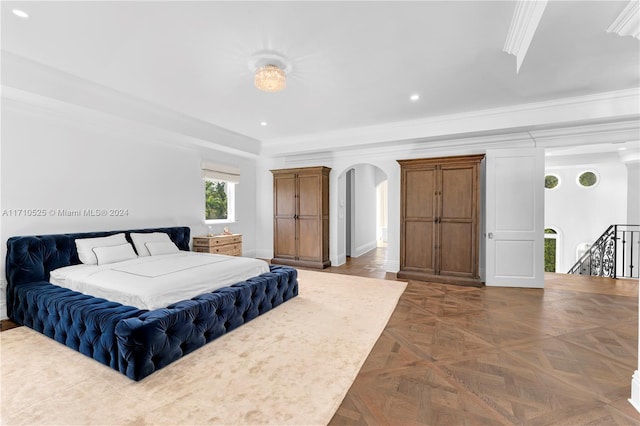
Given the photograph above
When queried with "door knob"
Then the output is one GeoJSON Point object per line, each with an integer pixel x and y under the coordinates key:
{"type": "Point", "coordinates": [490, 235]}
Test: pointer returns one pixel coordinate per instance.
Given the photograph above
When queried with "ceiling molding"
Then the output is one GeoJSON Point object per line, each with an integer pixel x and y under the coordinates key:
{"type": "Point", "coordinates": [548, 138]}
{"type": "Point", "coordinates": [628, 22]}
{"type": "Point", "coordinates": [524, 23]}
{"type": "Point", "coordinates": [309, 158]}
{"type": "Point", "coordinates": [26, 76]}
{"type": "Point", "coordinates": [616, 106]}
{"type": "Point", "coordinates": [577, 160]}
{"type": "Point", "coordinates": [629, 157]}
{"type": "Point", "coordinates": [614, 132]}
{"type": "Point", "coordinates": [92, 120]}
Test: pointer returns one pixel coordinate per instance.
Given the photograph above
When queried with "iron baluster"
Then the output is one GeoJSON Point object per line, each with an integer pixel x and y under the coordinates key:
{"type": "Point", "coordinates": [602, 258]}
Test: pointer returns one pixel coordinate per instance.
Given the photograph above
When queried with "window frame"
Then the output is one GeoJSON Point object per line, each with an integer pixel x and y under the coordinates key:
{"type": "Point", "coordinates": [231, 202]}
{"type": "Point", "coordinates": [216, 172]}
{"type": "Point", "coordinates": [595, 173]}
{"type": "Point", "coordinates": [555, 176]}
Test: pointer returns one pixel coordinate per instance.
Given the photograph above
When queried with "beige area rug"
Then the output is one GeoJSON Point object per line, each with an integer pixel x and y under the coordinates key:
{"type": "Point", "coordinates": [292, 365]}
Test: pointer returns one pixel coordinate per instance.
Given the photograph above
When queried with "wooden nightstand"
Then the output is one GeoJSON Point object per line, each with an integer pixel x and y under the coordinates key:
{"type": "Point", "coordinates": [231, 245]}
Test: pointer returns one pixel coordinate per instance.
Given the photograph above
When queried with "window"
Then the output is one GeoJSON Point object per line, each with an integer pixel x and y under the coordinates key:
{"type": "Point", "coordinates": [588, 179]}
{"type": "Point", "coordinates": [550, 239]}
{"type": "Point", "coordinates": [551, 181]}
{"type": "Point", "coordinates": [220, 193]}
{"type": "Point", "coordinates": [219, 200]}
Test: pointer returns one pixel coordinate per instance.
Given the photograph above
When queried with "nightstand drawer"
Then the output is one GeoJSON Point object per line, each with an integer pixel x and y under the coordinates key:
{"type": "Point", "coordinates": [216, 241]}
{"type": "Point", "coordinates": [230, 245]}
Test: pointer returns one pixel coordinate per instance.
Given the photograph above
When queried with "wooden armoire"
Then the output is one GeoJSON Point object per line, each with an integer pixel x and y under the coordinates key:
{"type": "Point", "coordinates": [301, 217]}
{"type": "Point", "coordinates": [439, 219]}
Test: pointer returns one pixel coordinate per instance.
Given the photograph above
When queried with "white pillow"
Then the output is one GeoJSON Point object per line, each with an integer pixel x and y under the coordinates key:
{"type": "Point", "coordinates": [156, 248]}
{"type": "Point", "coordinates": [85, 246]}
{"type": "Point", "coordinates": [139, 241]}
{"type": "Point", "coordinates": [112, 254]}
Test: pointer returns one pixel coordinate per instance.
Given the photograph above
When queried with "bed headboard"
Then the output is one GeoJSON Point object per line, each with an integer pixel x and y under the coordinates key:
{"type": "Point", "coordinates": [32, 258]}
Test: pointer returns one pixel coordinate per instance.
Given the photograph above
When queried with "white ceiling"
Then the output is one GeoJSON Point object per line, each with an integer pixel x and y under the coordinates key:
{"type": "Point", "coordinates": [354, 63]}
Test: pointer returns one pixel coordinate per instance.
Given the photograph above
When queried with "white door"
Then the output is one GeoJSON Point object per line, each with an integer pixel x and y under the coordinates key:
{"type": "Point", "coordinates": [515, 218]}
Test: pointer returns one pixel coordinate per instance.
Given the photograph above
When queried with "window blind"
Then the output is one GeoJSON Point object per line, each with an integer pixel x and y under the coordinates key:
{"type": "Point", "coordinates": [220, 172]}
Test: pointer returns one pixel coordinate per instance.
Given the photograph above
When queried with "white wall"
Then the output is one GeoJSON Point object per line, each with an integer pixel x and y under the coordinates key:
{"type": "Point", "coordinates": [54, 163]}
{"type": "Point", "coordinates": [633, 193]}
{"type": "Point", "coordinates": [579, 214]}
{"type": "Point", "coordinates": [364, 226]}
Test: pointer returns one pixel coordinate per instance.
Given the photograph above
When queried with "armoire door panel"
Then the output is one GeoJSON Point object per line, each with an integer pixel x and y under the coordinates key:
{"type": "Point", "coordinates": [418, 251]}
{"type": "Point", "coordinates": [284, 195]}
{"type": "Point", "coordinates": [309, 239]}
{"type": "Point", "coordinates": [309, 195]}
{"type": "Point", "coordinates": [457, 192]}
{"type": "Point", "coordinates": [419, 193]}
{"type": "Point", "coordinates": [285, 237]}
{"type": "Point", "coordinates": [456, 248]}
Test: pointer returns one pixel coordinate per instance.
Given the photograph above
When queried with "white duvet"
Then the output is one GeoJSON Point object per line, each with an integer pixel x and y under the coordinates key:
{"type": "Point", "coordinates": [154, 282]}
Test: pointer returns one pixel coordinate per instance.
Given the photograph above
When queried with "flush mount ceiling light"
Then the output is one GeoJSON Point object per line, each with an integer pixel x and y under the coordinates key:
{"type": "Point", "coordinates": [270, 71]}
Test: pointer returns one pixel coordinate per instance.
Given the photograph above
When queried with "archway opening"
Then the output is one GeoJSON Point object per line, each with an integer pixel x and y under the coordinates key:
{"type": "Point", "coordinates": [363, 215]}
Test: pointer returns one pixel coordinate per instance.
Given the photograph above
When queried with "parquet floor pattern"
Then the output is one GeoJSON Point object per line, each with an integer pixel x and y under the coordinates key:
{"type": "Point", "coordinates": [450, 355]}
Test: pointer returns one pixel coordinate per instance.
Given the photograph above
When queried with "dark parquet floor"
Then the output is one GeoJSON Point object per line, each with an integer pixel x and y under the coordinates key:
{"type": "Point", "coordinates": [562, 355]}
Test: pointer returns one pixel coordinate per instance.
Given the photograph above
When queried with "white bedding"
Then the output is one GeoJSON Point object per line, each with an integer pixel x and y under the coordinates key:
{"type": "Point", "coordinates": [154, 282]}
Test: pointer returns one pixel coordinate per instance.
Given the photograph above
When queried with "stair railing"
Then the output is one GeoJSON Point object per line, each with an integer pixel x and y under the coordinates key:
{"type": "Point", "coordinates": [615, 254]}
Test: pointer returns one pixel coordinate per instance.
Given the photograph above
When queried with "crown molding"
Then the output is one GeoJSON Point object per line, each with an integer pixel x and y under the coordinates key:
{"type": "Point", "coordinates": [588, 159]}
{"type": "Point", "coordinates": [628, 22]}
{"type": "Point", "coordinates": [610, 133]}
{"type": "Point", "coordinates": [29, 81]}
{"type": "Point", "coordinates": [99, 122]}
{"type": "Point", "coordinates": [524, 24]}
{"type": "Point", "coordinates": [618, 106]}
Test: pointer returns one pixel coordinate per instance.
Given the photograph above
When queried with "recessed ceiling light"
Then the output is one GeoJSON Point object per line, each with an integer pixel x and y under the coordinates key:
{"type": "Point", "coordinates": [622, 148]}
{"type": "Point", "coordinates": [263, 123]}
{"type": "Point", "coordinates": [415, 97]}
{"type": "Point", "coordinates": [20, 13]}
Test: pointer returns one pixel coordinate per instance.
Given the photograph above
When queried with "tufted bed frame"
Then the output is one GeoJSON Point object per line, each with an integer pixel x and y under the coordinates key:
{"type": "Point", "coordinates": [133, 341]}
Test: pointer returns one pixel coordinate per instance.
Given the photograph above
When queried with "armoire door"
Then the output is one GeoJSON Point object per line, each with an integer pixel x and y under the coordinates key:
{"type": "Point", "coordinates": [458, 233]}
{"type": "Point", "coordinates": [284, 218]}
{"type": "Point", "coordinates": [418, 225]}
{"type": "Point", "coordinates": [309, 220]}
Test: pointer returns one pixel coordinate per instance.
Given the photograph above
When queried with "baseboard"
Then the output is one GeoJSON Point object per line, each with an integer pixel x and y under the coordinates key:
{"type": "Point", "coordinates": [635, 391]}
{"type": "Point", "coordinates": [249, 253]}
{"type": "Point", "coordinates": [393, 266]}
{"type": "Point", "coordinates": [263, 254]}
{"type": "Point", "coordinates": [364, 248]}
{"type": "Point", "coordinates": [341, 259]}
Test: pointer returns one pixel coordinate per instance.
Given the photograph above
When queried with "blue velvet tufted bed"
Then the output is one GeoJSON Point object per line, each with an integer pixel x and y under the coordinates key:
{"type": "Point", "coordinates": [134, 341]}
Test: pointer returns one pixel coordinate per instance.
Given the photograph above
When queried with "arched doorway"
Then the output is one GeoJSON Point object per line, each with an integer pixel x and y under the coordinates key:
{"type": "Point", "coordinates": [362, 210]}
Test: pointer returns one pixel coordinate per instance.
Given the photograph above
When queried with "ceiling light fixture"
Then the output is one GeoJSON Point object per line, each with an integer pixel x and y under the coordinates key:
{"type": "Point", "coordinates": [270, 78]}
{"type": "Point", "coordinates": [415, 97]}
{"type": "Point", "coordinates": [270, 71]}
{"type": "Point", "coordinates": [263, 123]}
{"type": "Point", "coordinates": [20, 13]}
